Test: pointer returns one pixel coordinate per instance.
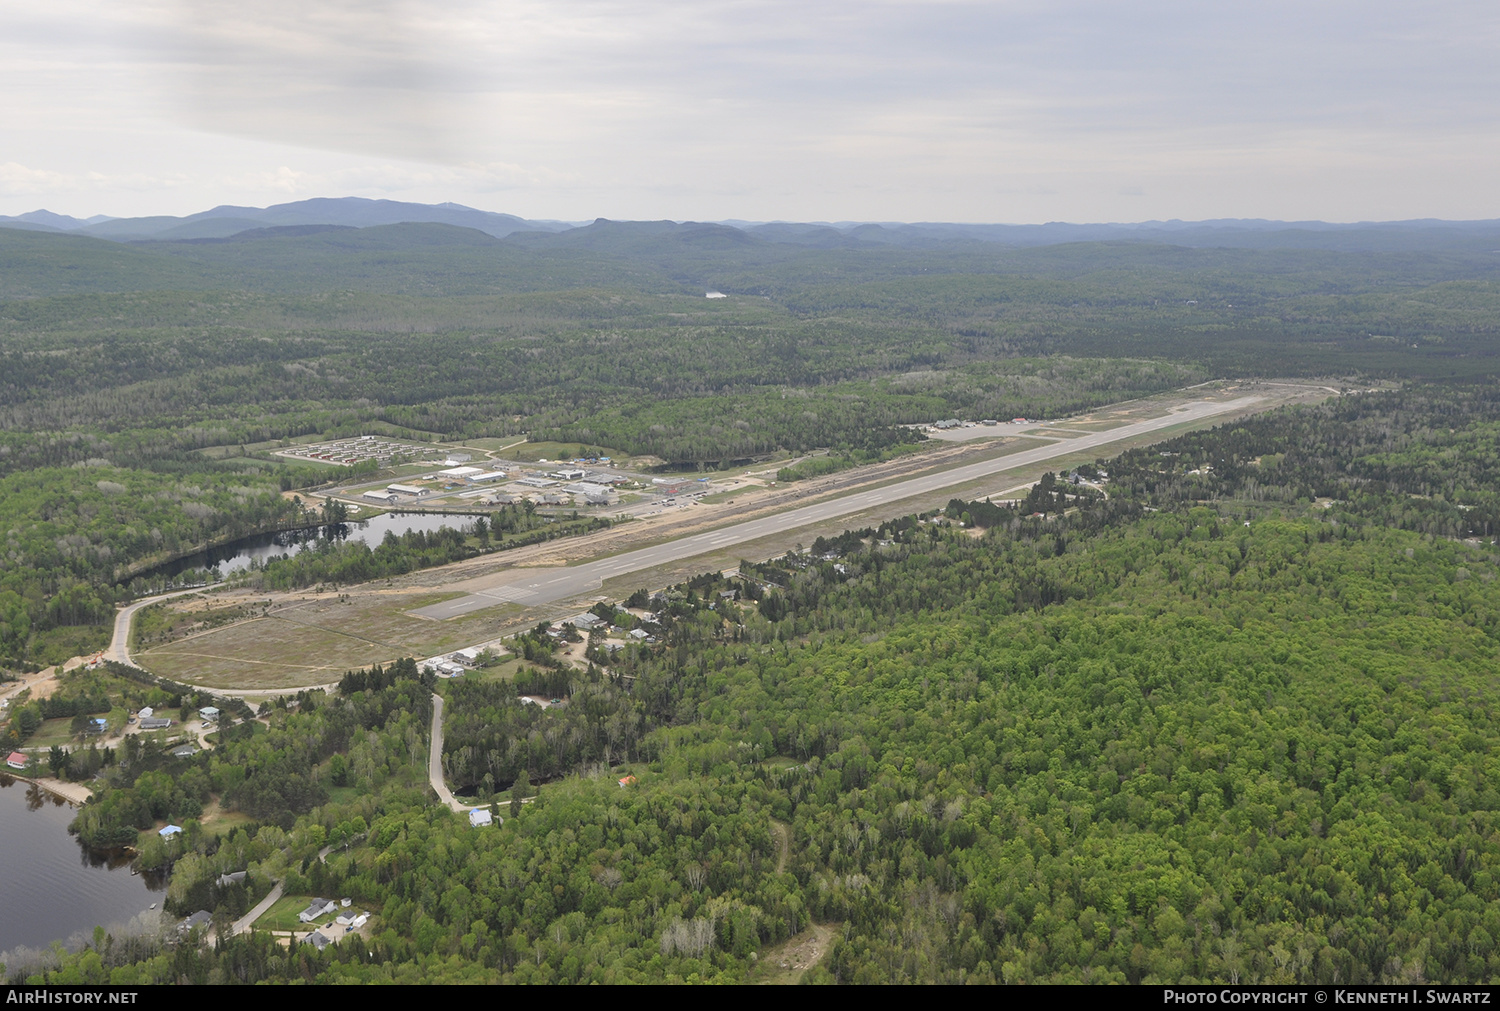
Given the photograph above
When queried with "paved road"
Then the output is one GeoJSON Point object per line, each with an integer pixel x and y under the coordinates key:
{"type": "Point", "coordinates": [435, 758]}
{"type": "Point", "coordinates": [242, 925]}
{"type": "Point", "coordinates": [533, 586]}
{"type": "Point", "coordinates": [119, 643]}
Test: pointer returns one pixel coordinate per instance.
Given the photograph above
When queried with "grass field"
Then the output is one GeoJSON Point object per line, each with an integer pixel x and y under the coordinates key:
{"type": "Point", "coordinates": [316, 640]}
{"type": "Point", "coordinates": [256, 729]}
{"type": "Point", "coordinates": [492, 445]}
{"type": "Point", "coordinates": [52, 732]}
{"type": "Point", "coordinates": [283, 914]}
{"type": "Point", "coordinates": [220, 822]}
{"type": "Point", "coordinates": [532, 451]}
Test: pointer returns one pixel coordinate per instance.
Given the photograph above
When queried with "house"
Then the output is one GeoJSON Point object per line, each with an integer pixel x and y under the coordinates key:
{"type": "Point", "coordinates": [96, 726]}
{"type": "Point", "coordinates": [155, 723]}
{"type": "Point", "coordinates": [186, 751]}
{"type": "Point", "coordinates": [232, 878]}
{"type": "Point", "coordinates": [626, 781]}
{"type": "Point", "coordinates": [316, 909]}
{"type": "Point", "coordinates": [479, 817]}
{"type": "Point", "coordinates": [209, 714]}
{"type": "Point", "coordinates": [16, 760]}
{"type": "Point", "coordinates": [317, 939]}
{"type": "Point", "coordinates": [192, 923]}
{"type": "Point", "coordinates": [170, 831]}
{"type": "Point", "coordinates": [146, 712]}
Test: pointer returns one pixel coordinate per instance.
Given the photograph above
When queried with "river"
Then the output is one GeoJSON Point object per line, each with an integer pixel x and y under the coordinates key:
{"type": "Point", "coordinates": [51, 886]}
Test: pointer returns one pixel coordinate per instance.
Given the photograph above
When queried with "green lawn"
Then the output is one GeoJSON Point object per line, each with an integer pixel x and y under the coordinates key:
{"type": "Point", "coordinates": [256, 728]}
{"type": "Point", "coordinates": [52, 732]}
{"type": "Point", "coordinates": [554, 451]}
{"type": "Point", "coordinates": [283, 914]}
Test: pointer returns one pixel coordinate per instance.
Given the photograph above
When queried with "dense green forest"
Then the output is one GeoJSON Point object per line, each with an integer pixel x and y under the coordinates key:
{"type": "Point", "coordinates": [1228, 717]}
{"type": "Point", "coordinates": [1234, 723]}
{"type": "Point", "coordinates": [120, 364]}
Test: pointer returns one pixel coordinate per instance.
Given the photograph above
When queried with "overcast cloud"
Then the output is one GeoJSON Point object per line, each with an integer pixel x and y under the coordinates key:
{"type": "Point", "coordinates": [1022, 111]}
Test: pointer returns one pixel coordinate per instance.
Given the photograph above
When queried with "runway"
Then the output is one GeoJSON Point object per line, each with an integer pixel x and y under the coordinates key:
{"type": "Point", "coordinates": [540, 586]}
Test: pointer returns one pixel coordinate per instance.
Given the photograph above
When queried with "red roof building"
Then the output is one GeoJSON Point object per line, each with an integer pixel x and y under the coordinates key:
{"type": "Point", "coordinates": [17, 760]}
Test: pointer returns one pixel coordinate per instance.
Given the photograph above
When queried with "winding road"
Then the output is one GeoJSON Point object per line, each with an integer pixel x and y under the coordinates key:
{"type": "Point", "coordinates": [435, 758]}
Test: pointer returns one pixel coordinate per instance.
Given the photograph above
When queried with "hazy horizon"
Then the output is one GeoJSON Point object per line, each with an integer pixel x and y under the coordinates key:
{"type": "Point", "coordinates": [956, 112]}
{"type": "Point", "coordinates": [584, 220]}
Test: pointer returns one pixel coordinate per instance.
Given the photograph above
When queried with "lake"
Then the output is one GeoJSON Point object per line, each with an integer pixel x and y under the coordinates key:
{"type": "Point", "coordinates": [237, 555]}
{"type": "Point", "coordinates": [51, 886]}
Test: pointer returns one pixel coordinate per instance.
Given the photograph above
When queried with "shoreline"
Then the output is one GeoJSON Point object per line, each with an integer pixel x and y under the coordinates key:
{"type": "Point", "coordinates": [75, 794]}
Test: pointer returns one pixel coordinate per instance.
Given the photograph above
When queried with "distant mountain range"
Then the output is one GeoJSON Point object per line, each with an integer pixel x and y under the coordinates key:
{"type": "Point", "coordinates": [226, 220]}
{"type": "Point", "coordinates": [1425, 235]}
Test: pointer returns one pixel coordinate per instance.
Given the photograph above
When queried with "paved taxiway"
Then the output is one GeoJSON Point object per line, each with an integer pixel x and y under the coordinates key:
{"type": "Point", "coordinates": [531, 587]}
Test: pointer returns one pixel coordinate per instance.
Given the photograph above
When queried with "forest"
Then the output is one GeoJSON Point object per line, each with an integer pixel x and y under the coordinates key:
{"type": "Point", "coordinates": [1234, 723]}
{"type": "Point", "coordinates": [144, 386]}
{"type": "Point", "coordinates": [1226, 716]}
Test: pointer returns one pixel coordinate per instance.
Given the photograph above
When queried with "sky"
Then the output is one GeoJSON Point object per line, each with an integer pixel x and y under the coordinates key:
{"type": "Point", "coordinates": [1017, 112]}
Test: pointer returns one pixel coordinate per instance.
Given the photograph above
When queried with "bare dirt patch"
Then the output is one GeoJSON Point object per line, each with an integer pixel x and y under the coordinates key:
{"type": "Point", "coordinates": [785, 963]}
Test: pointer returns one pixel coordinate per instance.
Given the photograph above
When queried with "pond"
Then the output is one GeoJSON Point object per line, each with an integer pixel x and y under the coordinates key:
{"type": "Point", "coordinates": [237, 555]}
